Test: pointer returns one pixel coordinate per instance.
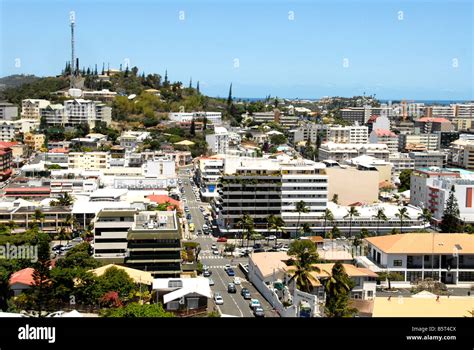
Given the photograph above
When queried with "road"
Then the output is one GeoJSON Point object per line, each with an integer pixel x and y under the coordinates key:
{"type": "Point", "coordinates": [234, 304]}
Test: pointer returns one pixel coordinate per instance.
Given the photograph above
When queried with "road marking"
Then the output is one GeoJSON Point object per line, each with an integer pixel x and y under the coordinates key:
{"type": "Point", "coordinates": [238, 308]}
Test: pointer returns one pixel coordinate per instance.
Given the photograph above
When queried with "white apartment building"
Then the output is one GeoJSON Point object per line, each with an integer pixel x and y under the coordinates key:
{"type": "Point", "coordinates": [386, 137]}
{"type": "Point", "coordinates": [111, 226]}
{"type": "Point", "coordinates": [347, 134]}
{"type": "Point", "coordinates": [439, 190]}
{"type": "Point", "coordinates": [419, 183]}
{"type": "Point", "coordinates": [445, 257]}
{"type": "Point", "coordinates": [158, 168]}
{"type": "Point", "coordinates": [208, 172]}
{"type": "Point", "coordinates": [8, 111]}
{"type": "Point", "coordinates": [54, 114]}
{"type": "Point", "coordinates": [132, 139]}
{"type": "Point", "coordinates": [30, 108]}
{"type": "Point", "coordinates": [213, 117]}
{"type": "Point", "coordinates": [400, 161]}
{"type": "Point", "coordinates": [461, 153]}
{"type": "Point", "coordinates": [9, 130]}
{"type": "Point", "coordinates": [308, 131]}
{"type": "Point", "coordinates": [343, 151]}
{"type": "Point", "coordinates": [89, 160]}
{"type": "Point", "coordinates": [218, 142]}
{"type": "Point", "coordinates": [440, 112]}
{"type": "Point", "coordinates": [464, 110]}
{"type": "Point", "coordinates": [429, 141]}
{"type": "Point", "coordinates": [428, 159]}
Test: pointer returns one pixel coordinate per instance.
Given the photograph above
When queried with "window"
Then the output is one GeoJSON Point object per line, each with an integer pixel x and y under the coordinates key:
{"type": "Point", "coordinates": [370, 294]}
{"type": "Point", "coordinates": [172, 305]}
{"type": "Point", "coordinates": [397, 263]}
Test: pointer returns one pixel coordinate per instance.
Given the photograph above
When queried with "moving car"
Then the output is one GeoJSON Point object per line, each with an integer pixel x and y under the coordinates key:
{"type": "Point", "coordinates": [230, 272]}
{"type": "Point", "coordinates": [214, 246]}
{"type": "Point", "coordinates": [258, 312]}
{"type": "Point", "coordinates": [245, 293]}
{"type": "Point", "coordinates": [218, 299]}
{"type": "Point", "coordinates": [254, 303]}
{"type": "Point", "coordinates": [206, 273]}
{"type": "Point", "coordinates": [211, 282]}
{"type": "Point", "coordinates": [215, 252]}
{"type": "Point", "coordinates": [186, 209]}
{"type": "Point", "coordinates": [236, 280]}
{"type": "Point", "coordinates": [231, 288]}
{"type": "Point", "coordinates": [191, 227]}
{"type": "Point", "coordinates": [272, 237]}
{"type": "Point", "coordinates": [199, 232]}
{"type": "Point", "coordinates": [222, 239]}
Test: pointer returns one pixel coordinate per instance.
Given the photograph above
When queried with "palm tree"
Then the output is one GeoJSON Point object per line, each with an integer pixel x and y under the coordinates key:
{"type": "Point", "coordinates": [380, 216]}
{"type": "Point", "coordinates": [350, 214]}
{"type": "Point", "coordinates": [276, 223]}
{"type": "Point", "coordinates": [300, 208]}
{"type": "Point", "coordinates": [306, 229]}
{"type": "Point", "coordinates": [425, 216]}
{"type": "Point", "coordinates": [338, 288]}
{"type": "Point", "coordinates": [402, 215]}
{"type": "Point", "coordinates": [305, 257]}
{"type": "Point", "coordinates": [38, 216]}
{"type": "Point", "coordinates": [328, 216]}
{"type": "Point", "coordinates": [246, 223]}
{"type": "Point", "coordinates": [66, 200]}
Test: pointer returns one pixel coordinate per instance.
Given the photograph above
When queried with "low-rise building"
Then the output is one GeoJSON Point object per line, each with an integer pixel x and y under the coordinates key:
{"type": "Point", "coordinates": [448, 258]}
{"type": "Point", "coordinates": [386, 137]}
{"type": "Point", "coordinates": [8, 111]}
{"type": "Point", "coordinates": [340, 152]}
{"type": "Point", "coordinates": [89, 160]}
{"type": "Point", "coordinates": [428, 159]}
{"type": "Point", "coordinates": [428, 141]}
{"type": "Point", "coordinates": [34, 141]}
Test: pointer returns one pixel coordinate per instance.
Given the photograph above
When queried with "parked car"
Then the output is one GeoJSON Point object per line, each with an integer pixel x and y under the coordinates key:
{"type": "Point", "coordinates": [237, 280]}
{"type": "Point", "coordinates": [254, 303]}
{"type": "Point", "coordinates": [272, 237]}
{"type": "Point", "coordinates": [258, 312]}
{"type": "Point", "coordinates": [66, 247]}
{"type": "Point", "coordinates": [222, 239]}
{"type": "Point", "coordinates": [77, 239]}
{"type": "Point", "coordinates": [231, 288]}
{"type": "Point", "coordinates": [218, 299]}
{"type": "Point", "coordinates": [186, 209]}
{"type": "Point", "coordinates": [57, 248]}
{"type": "Point", "coordinates": [206, 273]}
{"type": "Point", "coordinates": [230, 272]}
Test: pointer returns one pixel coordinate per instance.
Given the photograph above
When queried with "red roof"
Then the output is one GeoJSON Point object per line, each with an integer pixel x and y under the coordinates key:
{"type": "Point", "coordinates": [28, 189]}
{"type": "Point", "coordinates": [24, 276]}
{"type": "Point", "coordinates": [59, 150]}
{"type": "Point", "coordinates": [384, 132]}
{"type": "Point", "coordinates": [160, 199]}
{"type": "Point", "coordinates": [6, 144]}
{"type": "Point", "coordinates": [433, 120]}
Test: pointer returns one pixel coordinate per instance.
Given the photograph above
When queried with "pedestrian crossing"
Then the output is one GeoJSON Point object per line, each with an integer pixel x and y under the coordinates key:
{"type": "Point", "coordinates": [221, 267]}
{"type": "Point", "coordinates": [210, 257]}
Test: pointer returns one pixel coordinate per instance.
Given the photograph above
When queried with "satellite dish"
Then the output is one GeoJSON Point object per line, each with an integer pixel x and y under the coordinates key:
{"type": "Point", "coordinates": [132, 96]}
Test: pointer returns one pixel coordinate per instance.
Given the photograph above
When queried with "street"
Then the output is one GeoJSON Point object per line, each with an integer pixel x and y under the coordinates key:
{"type": "Point", "coordinates": [234, 304]}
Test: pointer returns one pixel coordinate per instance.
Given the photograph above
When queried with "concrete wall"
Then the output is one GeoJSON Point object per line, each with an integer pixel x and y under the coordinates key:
{"type": "Point", "coordinates": [352, 185]}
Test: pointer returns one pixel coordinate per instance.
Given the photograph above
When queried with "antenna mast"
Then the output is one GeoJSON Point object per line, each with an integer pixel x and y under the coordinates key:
{"type": "Point", "coordinates": [72, 19]}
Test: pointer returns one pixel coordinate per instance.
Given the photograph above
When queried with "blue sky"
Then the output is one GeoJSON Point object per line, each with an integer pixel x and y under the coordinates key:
{"type": "Point", "coordinates": [282, 53]}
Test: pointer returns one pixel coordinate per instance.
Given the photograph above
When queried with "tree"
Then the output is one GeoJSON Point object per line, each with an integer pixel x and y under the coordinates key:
{"type": "Point", "coordinates": [275, 223]}
{"type": "Point", "coordinates": [402, 215]}
{"type": "Point", "coordinates": [404, 178]}
{"type": "Point", "coordinates": [133, 310]}
{"type": "Point", "coordinates": [380, 216]}
{"type": "Point", "coordinates": [350, 214]}
{"type": "Point", "coordinates": [38, 216]}
{"type": "Point", "coordinates": [116, 280]}
{"type": "Point", "coordinates": [278, 139]}
{"type": "Point", "coordinates": [450, 222]}
{"type": "Point", "coordinates": [328, 216]}
{"type": "Point", "coordinates": [65, 200]}
{"type": "Point", "coordinates": [41, 274]}
{"type": "Point", "coordinates": [229, 98]}
{"type": "Point", "coordinates": [192, 130]}
{"type": "Point", "coordinates": [425, 216]}
{"type": "Point", "coordinates": [338, 288]}
{"type": "Point", "coordinates": [335, 198]}
{"type": "Point", "coordinates": [306, 229]}
{"type": "Point", "coordinates": [300, 208]}
{"type": "Point", "coordinates": [197, 88]}
{"type": "Point", "coordinates": [246, 223]}
{"type": "Point", "coordinates": [304, 256]}
{"type": "Point", "coordinates": [389, 277]}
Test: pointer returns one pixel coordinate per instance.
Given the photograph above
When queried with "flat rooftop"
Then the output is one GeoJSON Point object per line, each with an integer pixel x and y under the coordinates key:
{"type": "Point", "coordinates": [155, 220]}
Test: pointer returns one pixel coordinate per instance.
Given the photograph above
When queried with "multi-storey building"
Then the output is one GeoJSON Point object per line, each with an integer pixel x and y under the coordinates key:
{"type": "Point", "coordinates": [464, 110]}
{"type": "Point", "coordinates": [429, 125]}
{"type": "Point", "coordinates": [439, 112]}
{"type": "Point", "coordinates": [89, 160]}
{"type": "Point", "coordinates": [34, 141]}
{"type": "Point", "coordinates": [401, 161]}
{"type": "Point", "coordinates": [208, 172]}
{"type": "Point", "coordinates": [419, 183]}
{"type": "Point", "coordinates": [130, 140]}
{"type": "Point", "coordinates": [262, 187]}
{"type": "Point", "coordinates": [308, 131]}
{"type": "Point", "coordinates": [428, 159]}
{"type": "Point", "coordinates": [212, 117]}
{"type": "Point", "coordinates": [343, 151]}
{"type": "Point", "coordinates": [386, 137]}
{"type": "Point", "coordinates": [461, 153]}
{"type": "Point", "coordinates": [30, 108]}
{"type": "Point", "coordinates": [347, 134]}
{"type": "Point", "coordinates": [448, 258]}
{"type": "Point", "coordinates": [8, 111]}
{"type": "Point", "coordinates": [428, 141]}
{"type": "Point", "coordinates": [218, 142]}
{"type": "Point", "coordinates": [111, 226]}
{"type": "Point", "coordinates": [355, 114]}
{"type": "Point", "coordinates": [9, 130]}
{"type": "Point", "coordinates": [5, 160]}
{"type": "Point", "coordinates": [154, 243]}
